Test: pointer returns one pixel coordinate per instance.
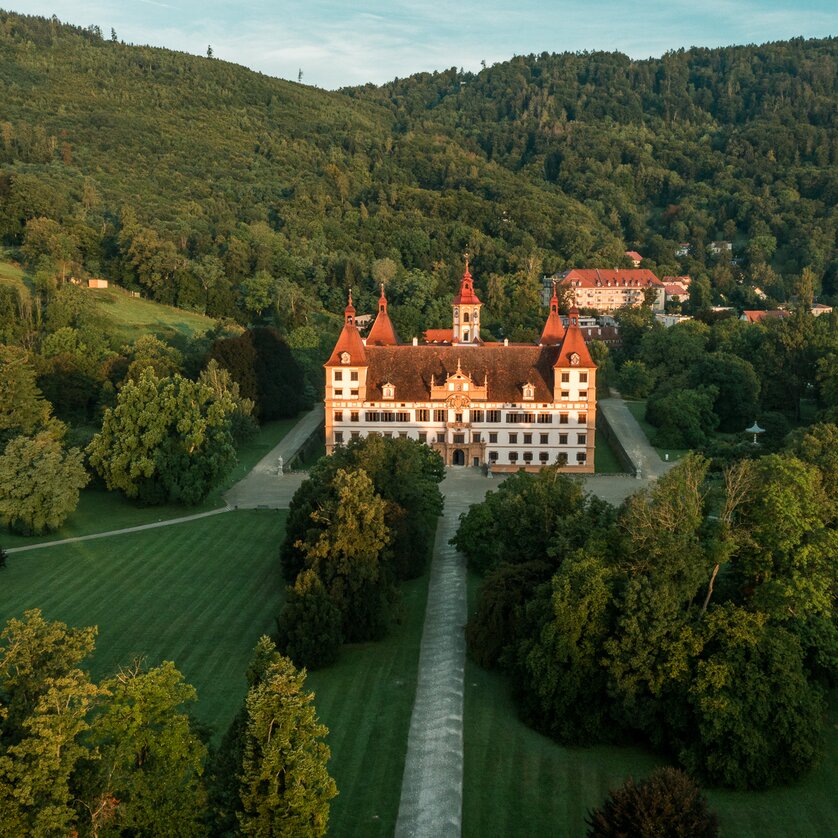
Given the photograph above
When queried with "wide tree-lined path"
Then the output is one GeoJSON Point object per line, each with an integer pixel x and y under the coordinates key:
{"type": "Point", "coordinates": [432, 786]}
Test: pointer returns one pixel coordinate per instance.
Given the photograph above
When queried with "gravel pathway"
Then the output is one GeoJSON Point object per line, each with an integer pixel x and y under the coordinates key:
{"type": "Point", "coordinates": [432, 786]}
{"type": "Point", "coordinates": [263, 486]}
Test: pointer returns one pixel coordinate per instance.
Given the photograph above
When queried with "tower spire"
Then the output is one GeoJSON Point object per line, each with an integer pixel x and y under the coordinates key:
{"type": "Point", "coordinates": [382, 332]}
{"type": "Point", "coordinates": [349, 311]}
{"type": "Point", "coordinates": [553, 329]}
{"type": "Point", "coordinates": [466, 310]}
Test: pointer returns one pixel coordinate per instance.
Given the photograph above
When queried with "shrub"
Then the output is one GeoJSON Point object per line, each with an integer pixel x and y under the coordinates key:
{"type": "Point", "coordinates": [667, 804]}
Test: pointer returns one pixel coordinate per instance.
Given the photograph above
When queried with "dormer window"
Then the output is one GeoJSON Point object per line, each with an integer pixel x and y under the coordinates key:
{"type": "Point", "coordinates": [574, 359]}
{"type": "Point", "coordinates": [344, 357]}
{"type": "Point", "coordinates": [529, 392]}
{"type": "Point", "coordinates": [388, 391]}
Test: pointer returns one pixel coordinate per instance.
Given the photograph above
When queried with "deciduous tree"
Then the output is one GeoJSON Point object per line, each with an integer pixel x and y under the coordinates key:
{"type": "Point", "coordinates": [166, 439]}
{"type": "Point", "coordinates": [39, 483]}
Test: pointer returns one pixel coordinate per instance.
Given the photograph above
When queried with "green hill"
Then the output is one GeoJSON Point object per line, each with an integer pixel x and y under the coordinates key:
{"type": "Point", "coordinates": [222, 190]}
{"type": "Point", "coordinates": [127, 316]}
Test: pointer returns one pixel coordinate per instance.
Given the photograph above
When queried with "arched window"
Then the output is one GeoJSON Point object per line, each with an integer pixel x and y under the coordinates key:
{"type": "Point", "coordinates": [465, 317]}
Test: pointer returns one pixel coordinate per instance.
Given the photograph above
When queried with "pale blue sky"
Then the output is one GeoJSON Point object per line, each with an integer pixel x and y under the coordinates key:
{"type": "Point", "coordinates": [347, 43]}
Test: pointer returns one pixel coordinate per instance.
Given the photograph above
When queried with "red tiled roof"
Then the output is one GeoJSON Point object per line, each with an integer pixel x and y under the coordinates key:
{"type": "Point", "coordinates": [508, 368]}
{"type": "Point", "coordinates": [554, 328]}
{"type": "Point", "coordinates": [382, 332]}
{"type": "Point", "coordinates": [634, 256]}
{"type": "Point", "coordinates": [673, 289]}
{"type": "Point", "coordinates": [611, 277]}
{"type": "Point", "coordinates": [684, 279]}
{"type": "Point", "coordinates": [439, 335]}
{"type": "Point", "coordinates": [756, 316]}
{"type": "Point", "coordinates": [348, 341]}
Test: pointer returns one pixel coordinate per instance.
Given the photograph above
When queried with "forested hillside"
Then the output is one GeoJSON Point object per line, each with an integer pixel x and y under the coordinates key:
{"type": "Point", "coordinates": [215, 188]}
{"type": "Point", "coordinates": [192, 179]}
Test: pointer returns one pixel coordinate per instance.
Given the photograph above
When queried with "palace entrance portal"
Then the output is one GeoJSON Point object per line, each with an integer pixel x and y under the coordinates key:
{"type": "Point", "coordinates": [458, 458]}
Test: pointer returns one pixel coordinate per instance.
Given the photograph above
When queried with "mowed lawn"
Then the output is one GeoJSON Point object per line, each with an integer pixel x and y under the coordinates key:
{"type": "Point", "coordinates": [198, 593]}
{"type": "Point", "coordinates": [519, 783]}
{"type": "Point", "coordinates": [102, 511]}
{"type": "Point", "coordinates": [366, 701]}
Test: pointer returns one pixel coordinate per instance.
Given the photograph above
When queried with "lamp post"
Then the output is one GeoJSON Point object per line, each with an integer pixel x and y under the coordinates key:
{"type": "Point", "coordinates": [755, 429]}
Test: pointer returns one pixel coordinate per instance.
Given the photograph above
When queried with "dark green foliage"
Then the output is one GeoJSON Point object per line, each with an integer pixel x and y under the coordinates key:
{"type": "Point", "coordinates": [737, 399]}
{"type": "Point", "coordinates": [222, 778]}
{"type": "Point", "coordinates": [279, 379]}
{"type": "Point", "coordinates": [309, 628]}
{"type": "Point", "coordinates": [284, 787]}
{"type": "Point", "coordinates": [493, 626]}
{"type": "Point", "coordinates": [405, 474]}
{"type": "Point", "coordinates": [120, 757]}
{"type": "Point", "coordinates": [683, 417]}
{"type": "Point", "coordinates": [818, 445]}
{"type": "Point", "coordinates": [166, 439]}
{"type": "Point", "coordinates": [556, 666]}
{"type": "Point", "coordinates": [364, 519]}
{"type": "Point", "coordinates": [266, 372]}
{"type": "Point", "coordinates": [786, 551]}
{"type": "Point", "coordinates": [667, 804]}
{"type": "Point", "coordinates": [319, 191]}
{"type": "Point", "coordinates": [345, 549]}
{"type": "Point", "coordinates": [703, 621]}
{"type": "Point", "coordinates": [636, 380]}
{"type": "Point", "coordinates": [548, 514]}
{"type": "Point", "coordinates": [757, 718]}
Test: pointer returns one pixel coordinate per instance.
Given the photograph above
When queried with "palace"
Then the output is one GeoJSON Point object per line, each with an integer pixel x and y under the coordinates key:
{"type": "Point", "coordinates": [504, 405]}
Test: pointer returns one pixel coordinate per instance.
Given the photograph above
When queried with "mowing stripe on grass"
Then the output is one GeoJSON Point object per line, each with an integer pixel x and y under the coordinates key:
{"type": "Point", "coordinates": [199, 594]}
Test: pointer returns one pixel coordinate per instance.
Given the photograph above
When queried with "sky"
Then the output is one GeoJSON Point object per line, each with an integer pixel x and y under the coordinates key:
{"type": "Point", "coordinates": [338, 44]}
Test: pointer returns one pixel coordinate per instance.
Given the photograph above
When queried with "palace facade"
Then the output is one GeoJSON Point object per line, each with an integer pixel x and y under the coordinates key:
{"type": "Point", "coordinates": [505, 405]}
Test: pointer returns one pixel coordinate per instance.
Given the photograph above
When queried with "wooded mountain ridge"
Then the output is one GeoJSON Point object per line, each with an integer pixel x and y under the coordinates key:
{"type": "Point", "coordinates": [217, 188]}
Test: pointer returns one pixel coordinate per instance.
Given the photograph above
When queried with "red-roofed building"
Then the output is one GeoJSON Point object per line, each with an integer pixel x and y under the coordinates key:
{"type": "Point", "coordinates": [750, 316]}
{"type": "Point", "coordinates": [635, 257]}
{"type": "Point", "coordinates": [609, 289]}
{"type": "Point", "coordinates": [675, 292]}
{"type": "Point", "coordinates": [508, 406]}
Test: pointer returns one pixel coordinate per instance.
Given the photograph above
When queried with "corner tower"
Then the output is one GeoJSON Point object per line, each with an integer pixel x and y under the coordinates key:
{"type": "Point", "coordinates": [466, 311]}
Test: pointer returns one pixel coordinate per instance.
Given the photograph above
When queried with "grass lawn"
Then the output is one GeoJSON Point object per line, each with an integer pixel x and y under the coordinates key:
{"type": "Point", "coordinates": [199, 593]}
{"type": "Point", "coordinates": [638, 410]}
{"type": "Point", "coordinates": [128, 317]}
{"type": "Point", "coordinates": [366, 701]}
{"type": "Point", "coordinates": [11, 274]}
{"type": "Point", "coordinates": [518, 782]}
{"type": "Point", "coordinates": [131, 317]}
{"type": "Point", "coordinates": [101, 511]}
{"type": "Point", "coordinates": [605, 460]}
